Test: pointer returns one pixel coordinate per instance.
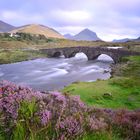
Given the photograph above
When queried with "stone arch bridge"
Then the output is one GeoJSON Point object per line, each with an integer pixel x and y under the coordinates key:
{"type": "Point", "coordinates": [91, 52]}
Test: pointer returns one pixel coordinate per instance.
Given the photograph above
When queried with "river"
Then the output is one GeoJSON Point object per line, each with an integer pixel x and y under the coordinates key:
{"type": "Point", "coordinates": [55, 73]}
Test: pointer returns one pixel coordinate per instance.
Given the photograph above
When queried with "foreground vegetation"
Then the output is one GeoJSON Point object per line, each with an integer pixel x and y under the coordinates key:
{"type": "Point", "coordinates": [121, 91]}
{"type": "Point", "coordinates": [30, 115]}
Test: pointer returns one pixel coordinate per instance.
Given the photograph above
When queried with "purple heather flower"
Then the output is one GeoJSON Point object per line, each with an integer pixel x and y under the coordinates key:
{"type": "Point", "coordinates": [70, 125]}
{"type": "Point", "coordinates": [95, 124]}
{"type": "Point", "coordinates": [45, 116]}
{"type": "Point", "coordinates": [55, 93]}
{"type": "Point", "coordinates": [61, 98]}
{"type": "Point", "coordinates": [62, 137]}
{"type": "Point", "coordinates": [137, 127]}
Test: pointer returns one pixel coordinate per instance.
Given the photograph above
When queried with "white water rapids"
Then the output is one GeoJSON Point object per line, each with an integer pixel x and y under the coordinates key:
{"type": "Point", "coordinates": [55, 73]}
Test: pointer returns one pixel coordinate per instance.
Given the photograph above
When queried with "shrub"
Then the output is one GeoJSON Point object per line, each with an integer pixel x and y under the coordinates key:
{"type": "Point", "coordinates": [29, 114]}
{"type": "Point", "coordinates": [128, 124]}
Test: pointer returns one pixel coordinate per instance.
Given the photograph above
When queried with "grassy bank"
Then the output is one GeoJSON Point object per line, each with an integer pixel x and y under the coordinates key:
{"type": "Point", "coordinates": [12, 56]}
{"type": "Point", "coordinates": [122, 91]}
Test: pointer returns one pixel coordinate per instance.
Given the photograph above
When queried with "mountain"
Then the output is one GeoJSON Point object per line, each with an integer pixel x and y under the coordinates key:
{"type": "Point", "coordinates": [5, 27]}
{"type": "Point", "coordinates": [38, 29]}
{"type": "Point", "coordinates": [86, 35]}
{"type": "Point", "coordinates": [68, 36]}
{"type": "Point", "coordinates": [121, 40]}
{"type": "Point", "coordinates": [137, 40]}
{"type": "Point", "coordinates": [126, 40]}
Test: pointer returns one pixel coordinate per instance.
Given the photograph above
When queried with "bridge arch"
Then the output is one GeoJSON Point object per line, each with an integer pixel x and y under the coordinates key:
{"type": "Point", "coordinates": [81, 55]}
{"type": "Point", "coordinates": [57, 54]}
{"type": "Point", "coordinates": [112, 56]}
{"type": "Point", "coordinates": [105, 57]}
{"type": "Point", "coordinates": [78, 53]}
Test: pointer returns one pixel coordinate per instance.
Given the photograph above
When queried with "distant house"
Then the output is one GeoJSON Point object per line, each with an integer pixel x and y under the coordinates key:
{"type": "Point", "coordinates": [14, 35]}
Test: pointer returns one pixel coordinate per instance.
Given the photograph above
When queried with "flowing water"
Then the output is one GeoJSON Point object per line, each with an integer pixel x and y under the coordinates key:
{"type": "Point", "coordinates": [55, 73]}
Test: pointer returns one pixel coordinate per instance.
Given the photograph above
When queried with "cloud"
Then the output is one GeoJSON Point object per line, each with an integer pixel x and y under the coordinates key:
{"type": "Point", "coordinates": [70, 18]}
{"type": "Point", "coordinates": [109, 18]}
{"type": "Point", "coordinates": [21, 18]}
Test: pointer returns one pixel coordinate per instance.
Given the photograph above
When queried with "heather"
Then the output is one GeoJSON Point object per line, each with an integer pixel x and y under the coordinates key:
{"type": "Point", "coordinates": [27, 114]}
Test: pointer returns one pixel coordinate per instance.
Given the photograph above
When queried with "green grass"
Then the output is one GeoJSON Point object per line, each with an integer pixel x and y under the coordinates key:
{"type": "Point", "coordinates": [124, 90]}
{"type": "Point", "coordinates": [11, 56]}
{"type": "Point", "coordinates": [101, 136]}
{"type": "Point", "coordinates": [93, 94]}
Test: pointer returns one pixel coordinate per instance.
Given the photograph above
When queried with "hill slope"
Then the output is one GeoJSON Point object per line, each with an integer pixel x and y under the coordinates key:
{"type": "Point", "coordinates": [5, 27]}
{"type": "Point", "coordinates": [38, 29]}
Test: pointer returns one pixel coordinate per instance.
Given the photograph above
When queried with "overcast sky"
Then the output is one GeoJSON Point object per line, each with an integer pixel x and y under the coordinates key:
{"type": "Point", "coordinates": [110, 19]}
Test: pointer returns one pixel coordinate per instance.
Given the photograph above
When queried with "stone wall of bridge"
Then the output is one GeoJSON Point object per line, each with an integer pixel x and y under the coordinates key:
{"type": "Point", "coordinates": [91, 52]}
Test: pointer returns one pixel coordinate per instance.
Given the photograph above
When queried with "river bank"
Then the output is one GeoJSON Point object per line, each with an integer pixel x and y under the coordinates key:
{"type": "Point", "coordinates": [121, 91]}
{"type": "Point", "coordinates": [13, 56]}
